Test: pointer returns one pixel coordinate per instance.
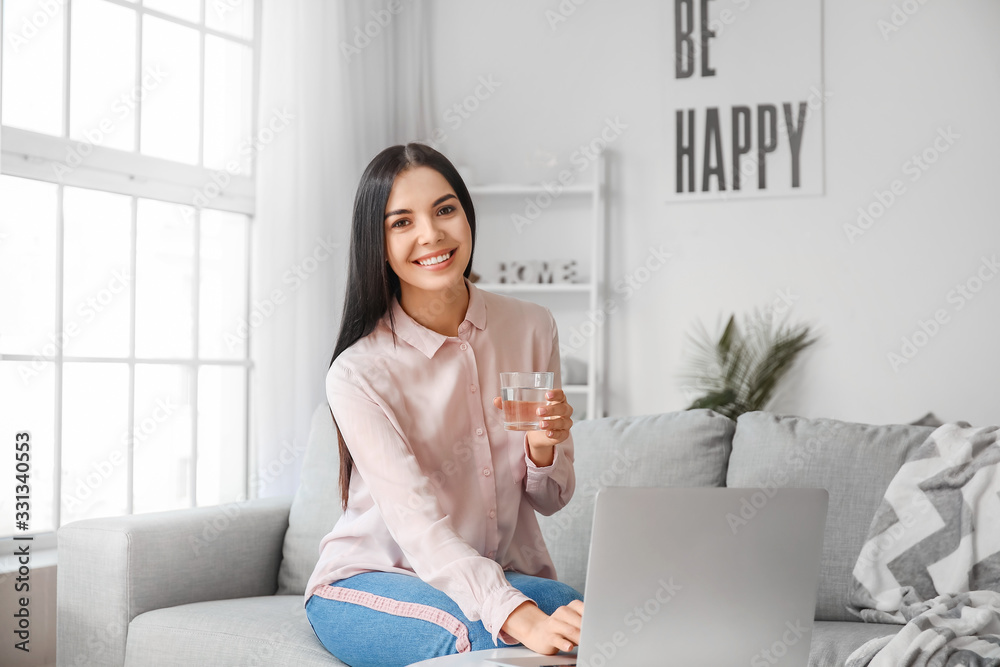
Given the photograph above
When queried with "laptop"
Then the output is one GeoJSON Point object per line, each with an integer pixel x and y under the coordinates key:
{"type": "Point", "coordinates": [699, 576]}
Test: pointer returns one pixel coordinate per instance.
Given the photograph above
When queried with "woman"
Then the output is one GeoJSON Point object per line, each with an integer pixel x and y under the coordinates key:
{"type": "Point", "coordinates": [438, 550]}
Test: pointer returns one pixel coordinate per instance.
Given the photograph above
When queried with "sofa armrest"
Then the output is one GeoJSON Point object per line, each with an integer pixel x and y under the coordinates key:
{"type": "Point", "coordinates": [111, 570]}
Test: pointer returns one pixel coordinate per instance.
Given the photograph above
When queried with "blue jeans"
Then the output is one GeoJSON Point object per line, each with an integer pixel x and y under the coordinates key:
{"type": "Point", "coordinates": [387, 619]}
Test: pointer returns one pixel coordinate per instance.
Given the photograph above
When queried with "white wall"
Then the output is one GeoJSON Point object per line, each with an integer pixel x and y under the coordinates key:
{"type": "Point", "coordinates": [888, 98]}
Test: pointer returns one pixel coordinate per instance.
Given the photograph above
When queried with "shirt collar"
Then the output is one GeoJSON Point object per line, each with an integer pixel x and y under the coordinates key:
{"type": "Point", "coordinates": [426, 340]}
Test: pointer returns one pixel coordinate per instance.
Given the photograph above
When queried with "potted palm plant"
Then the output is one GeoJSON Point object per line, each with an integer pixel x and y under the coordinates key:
{"type": "Point", "coordinates": [739, 370]}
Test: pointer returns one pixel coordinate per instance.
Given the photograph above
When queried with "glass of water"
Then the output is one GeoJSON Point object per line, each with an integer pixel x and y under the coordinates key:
{"type": "Point", "coordinates": [522, 394]}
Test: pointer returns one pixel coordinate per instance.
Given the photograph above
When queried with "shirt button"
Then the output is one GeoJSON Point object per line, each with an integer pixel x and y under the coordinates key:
{"type": "Point", "coordinates": [479, 431]}
{"type": "Point", "coordinates": [486, 471]}
{"type": "Point", "coordinates": [493, 514]}
{"type": "Point", "coordinates": [472, 388]}
{"type": "Point", "coordinates": [464, 346]}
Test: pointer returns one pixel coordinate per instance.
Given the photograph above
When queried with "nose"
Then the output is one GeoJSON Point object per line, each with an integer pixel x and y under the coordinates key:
{"type": "Point", "coordinates": [429, 232]}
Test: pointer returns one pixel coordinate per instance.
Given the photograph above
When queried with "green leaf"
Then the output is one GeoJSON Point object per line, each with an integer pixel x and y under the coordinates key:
{"type": "Point", "coordinates": [714, 400]}
{"type": "Point", "coordinates": [739, 370]}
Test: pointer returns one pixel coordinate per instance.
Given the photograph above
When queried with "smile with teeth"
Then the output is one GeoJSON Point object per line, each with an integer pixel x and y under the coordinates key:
{"type": "Point", "coordinates": [436, 260]}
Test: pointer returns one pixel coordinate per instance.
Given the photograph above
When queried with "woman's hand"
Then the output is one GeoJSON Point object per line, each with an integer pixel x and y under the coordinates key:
{"type": "Point", "coordinates": [543, 633]}
{"type": "Point", "coordinates": [557, 416]}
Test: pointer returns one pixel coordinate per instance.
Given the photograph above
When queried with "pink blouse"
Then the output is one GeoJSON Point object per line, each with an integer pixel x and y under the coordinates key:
{"type": "Point", "coordinates": [440, 490]}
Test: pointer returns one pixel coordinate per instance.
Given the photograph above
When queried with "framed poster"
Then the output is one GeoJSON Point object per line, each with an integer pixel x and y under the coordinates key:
{"type": "Point", "coordinates": [744, 99]}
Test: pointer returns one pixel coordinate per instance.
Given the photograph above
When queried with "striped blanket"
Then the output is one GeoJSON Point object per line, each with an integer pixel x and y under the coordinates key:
{"type": "Point", "coordinates": [932, 558]}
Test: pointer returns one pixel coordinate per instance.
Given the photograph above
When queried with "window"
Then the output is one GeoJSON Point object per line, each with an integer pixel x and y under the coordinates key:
{"type": "Point", "coordinates": [126, 198]}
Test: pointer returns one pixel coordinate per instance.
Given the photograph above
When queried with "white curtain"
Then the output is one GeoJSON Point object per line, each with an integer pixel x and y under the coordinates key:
{"type": "Point", "coordinates": [391, 75]}
{"type": "Point", "coordinates": [332, 97]}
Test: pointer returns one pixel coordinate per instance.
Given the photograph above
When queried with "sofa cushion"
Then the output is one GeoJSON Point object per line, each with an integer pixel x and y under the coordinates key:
{"type": "Point", "coordinates": [853, 462]}
{"type": "Point", "coordinates": [271, 630]}
{"type": "Point", "coordinates": [834, 641]}
{"type": "Point", "coordinates": [687, 448]}
{"type": "Point", "coordinates": [316, 506]}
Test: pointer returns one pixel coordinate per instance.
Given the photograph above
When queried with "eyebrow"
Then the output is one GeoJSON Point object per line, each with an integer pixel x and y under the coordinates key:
{"type": "Point", "coordinates": [401, 211]}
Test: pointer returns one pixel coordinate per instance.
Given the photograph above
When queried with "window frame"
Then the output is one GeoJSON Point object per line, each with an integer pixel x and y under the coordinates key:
{"type": "Point", "coordinates": [36, 156]}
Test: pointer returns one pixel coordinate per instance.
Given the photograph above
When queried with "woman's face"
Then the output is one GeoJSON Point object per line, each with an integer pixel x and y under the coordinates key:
{"type": "Point", "coordinates": [427, 238]}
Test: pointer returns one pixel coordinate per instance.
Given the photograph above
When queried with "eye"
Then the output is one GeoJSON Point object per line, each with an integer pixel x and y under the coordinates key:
{"type": "Point", "coordinates": [399, 223]}
{"type": "Point", "coordinates": [446, 209]}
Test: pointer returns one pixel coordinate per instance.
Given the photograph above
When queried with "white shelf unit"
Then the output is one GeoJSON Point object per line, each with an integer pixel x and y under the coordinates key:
{"type": "Point", "coordinates": [531, 287]}
{"type": "Point", "coordinates": [595, 388]}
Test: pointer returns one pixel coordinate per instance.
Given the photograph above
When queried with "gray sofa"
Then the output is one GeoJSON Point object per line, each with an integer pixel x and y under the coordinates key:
{"type": "Point", "coordinates": [223, 585]}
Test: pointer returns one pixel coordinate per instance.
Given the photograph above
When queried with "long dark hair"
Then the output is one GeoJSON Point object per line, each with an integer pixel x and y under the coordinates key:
{"type": "Point", "coordinates": [371, 282]}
